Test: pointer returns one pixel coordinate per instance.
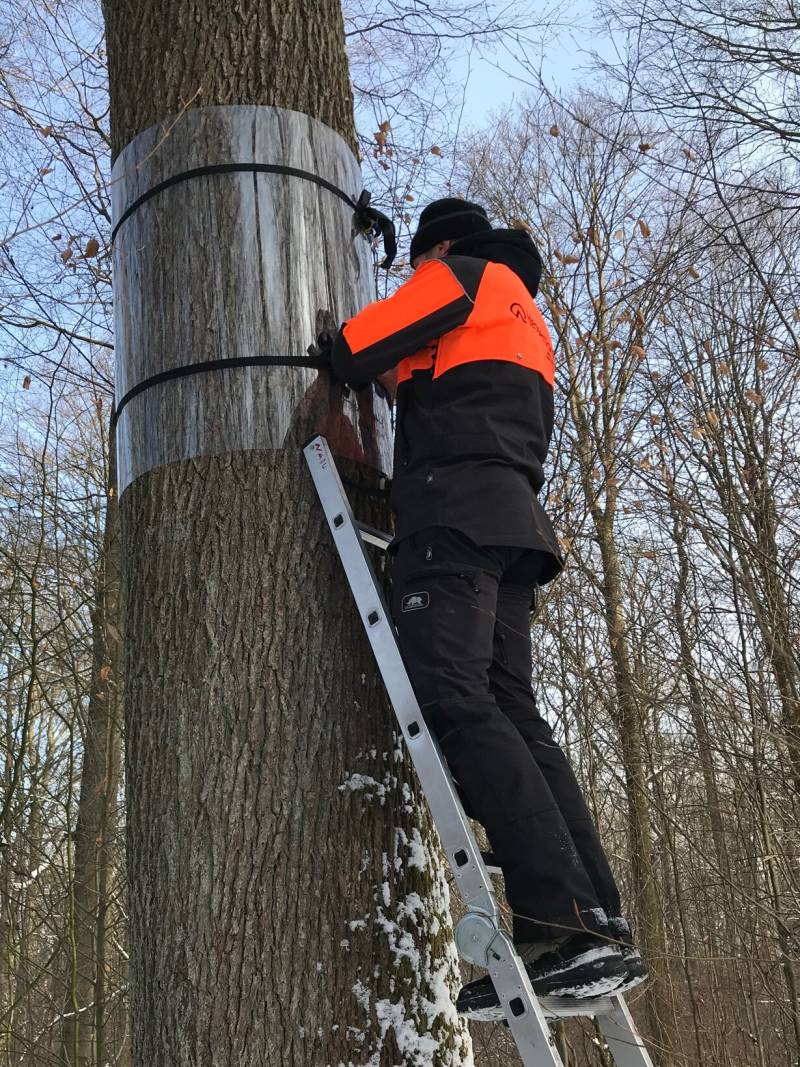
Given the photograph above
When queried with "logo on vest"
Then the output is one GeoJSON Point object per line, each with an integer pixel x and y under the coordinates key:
{"type": "Point", "coordinates": [519, 311]}
{"type": "Point", "coordinates": [415, 601]}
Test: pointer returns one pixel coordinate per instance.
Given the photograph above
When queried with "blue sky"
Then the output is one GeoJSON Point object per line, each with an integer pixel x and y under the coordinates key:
{"type": "Point", "coordinates": [496, 80]}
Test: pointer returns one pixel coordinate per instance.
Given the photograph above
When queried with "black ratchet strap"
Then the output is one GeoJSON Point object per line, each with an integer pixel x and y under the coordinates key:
{"type": "Point", "coordinates": [368, 219]}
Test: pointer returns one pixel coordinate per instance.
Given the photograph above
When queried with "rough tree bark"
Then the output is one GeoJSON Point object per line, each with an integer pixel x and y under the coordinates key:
{"type": "Point", "coordinates": [287, 904]}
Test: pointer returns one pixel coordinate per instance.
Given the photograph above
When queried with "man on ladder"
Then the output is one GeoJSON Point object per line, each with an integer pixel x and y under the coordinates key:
{"type": "Point", "coordinates": [474, 383]}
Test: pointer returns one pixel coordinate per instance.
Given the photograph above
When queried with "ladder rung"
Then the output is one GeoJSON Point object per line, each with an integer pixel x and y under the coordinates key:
{"type": "Point", "coordinates": [569, 1007]}
{"type": "Point", "coordinates": [375, 537]}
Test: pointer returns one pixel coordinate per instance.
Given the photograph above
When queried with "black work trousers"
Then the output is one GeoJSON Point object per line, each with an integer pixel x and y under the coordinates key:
{"type": "Point", "coordinates": [462, 613]}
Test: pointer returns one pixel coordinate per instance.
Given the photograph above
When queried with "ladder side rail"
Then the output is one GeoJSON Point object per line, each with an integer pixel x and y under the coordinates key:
{"type": "Point", "coordinates": [618, 1028]}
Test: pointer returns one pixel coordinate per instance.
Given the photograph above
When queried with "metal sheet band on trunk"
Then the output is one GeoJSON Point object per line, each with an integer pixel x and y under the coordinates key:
{"type": "Point", "coordinates": [235, 266]}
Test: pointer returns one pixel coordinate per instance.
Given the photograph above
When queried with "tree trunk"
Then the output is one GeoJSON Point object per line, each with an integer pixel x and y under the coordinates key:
{"type": "Point", "coordinates": [629, 722]}
{"type": "Point", "coordinates": [630, 728]}
{"type": "Point", "coordinates": [6, 903]}
{"type": "Point", "coordinates": [695, 703]}
{"type": "Point", "coordinates": [83, 1020]}
{"type": "Point", "coordinates": [287, 900]}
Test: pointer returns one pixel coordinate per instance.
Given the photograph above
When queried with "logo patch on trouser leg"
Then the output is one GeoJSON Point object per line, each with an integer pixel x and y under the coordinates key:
{"type": "Point", "coordinates": [415, 601]}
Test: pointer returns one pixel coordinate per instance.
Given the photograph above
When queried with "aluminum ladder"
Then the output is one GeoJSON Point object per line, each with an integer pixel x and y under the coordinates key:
{"type": "Point", "coordinates": [479, 936]}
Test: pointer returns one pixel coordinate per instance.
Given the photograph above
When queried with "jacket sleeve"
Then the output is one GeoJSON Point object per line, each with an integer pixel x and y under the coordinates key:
{"type": "Point", "coordinates": [437, 298]}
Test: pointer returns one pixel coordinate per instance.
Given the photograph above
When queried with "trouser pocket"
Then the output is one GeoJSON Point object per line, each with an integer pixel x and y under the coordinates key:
{"type": "Point", "coordinates": [445, 626]}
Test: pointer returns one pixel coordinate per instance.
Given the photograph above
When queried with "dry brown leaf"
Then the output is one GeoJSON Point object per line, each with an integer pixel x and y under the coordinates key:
{"type": "Point", "coordinates": [644, 229]}
{"type": "Point", "coordinates": [409, 198]}
{"type": "Point", "coordinates": [26, 382]}
{"type": "Point", "coordinates": [712, 418]}
{"type": "Point", "coordinates": [45, 170]}
{"type": "Point", "coordinates": [697, 432]}
{"type": "Point", "coordinates": [618, 235]}
{"type": "Point", "coordinates": [754, 397]}
{"type": "Point", "coordinates": [569, 260]}
{"type": "Point", "coordinates": [384, 127]}
{"type": "Point", "coordinates": [688, 155]}
{"type": "Point", "coordinates": [687, 378]}
{"type": "Point", "coordinates": [639, 318]}
{"type": "Point", "coordinates": [723, 369]}
{"type": "Point", "coordinates": [649, 554]}
{"type": "Point", "coordinates": [554, 130]}
{"type": "Point", "coordinates": [436, 150]}
{"type": "Point", "coordinates": [92, 248]}
{"type": "Point", "coordinates": [559, 255]}
{"type": "Point", "coordinates": [520, 224]}
{"type": "Point", "coordinates": [638, 351]}
{"type": "Point", "coordinates": [645, 147]}
{"type": "Point", "coordinates": [66, 254]}
{"type": "Point", "coordinates": [762, 364]}
{"type": "Point", "coordinates": [706, 346]}
{"type": "Point", "coordinates": [45, 131]}
{"type": "Point", "coordinates": [105, 672]}
{"type": "Point", "coordinates": [693, 273]}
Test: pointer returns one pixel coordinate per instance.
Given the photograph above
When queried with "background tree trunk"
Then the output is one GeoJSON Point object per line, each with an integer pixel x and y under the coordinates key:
{"type": "Point", "coordinates": [287, 903]}
{"type": "Point", "coordinates": [83, 1008]}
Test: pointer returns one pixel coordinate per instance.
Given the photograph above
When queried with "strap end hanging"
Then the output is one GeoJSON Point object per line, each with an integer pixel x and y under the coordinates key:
{"type": "Point", "coordinates": [370, 220]}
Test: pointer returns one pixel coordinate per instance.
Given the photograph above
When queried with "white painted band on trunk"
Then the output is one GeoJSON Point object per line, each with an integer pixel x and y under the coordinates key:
{"type": "Point", "coordinates": [224, 266]}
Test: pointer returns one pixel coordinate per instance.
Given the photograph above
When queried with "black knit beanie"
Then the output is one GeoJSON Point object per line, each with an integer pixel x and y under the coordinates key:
{"type": "Point", "coordinates": [447, 220]}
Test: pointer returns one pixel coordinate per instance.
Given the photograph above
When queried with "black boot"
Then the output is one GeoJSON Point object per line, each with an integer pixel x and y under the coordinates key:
{"type": "Point", "coordinates": [637, 969]}
{"type": "Point", "coordinates": [579, 965]}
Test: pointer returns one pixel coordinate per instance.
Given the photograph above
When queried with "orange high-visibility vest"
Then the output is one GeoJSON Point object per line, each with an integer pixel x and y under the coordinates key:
{"type": "Point", "coordinates": [503, 324]}
{"type": "Point", "coordinates": [450, 312]}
